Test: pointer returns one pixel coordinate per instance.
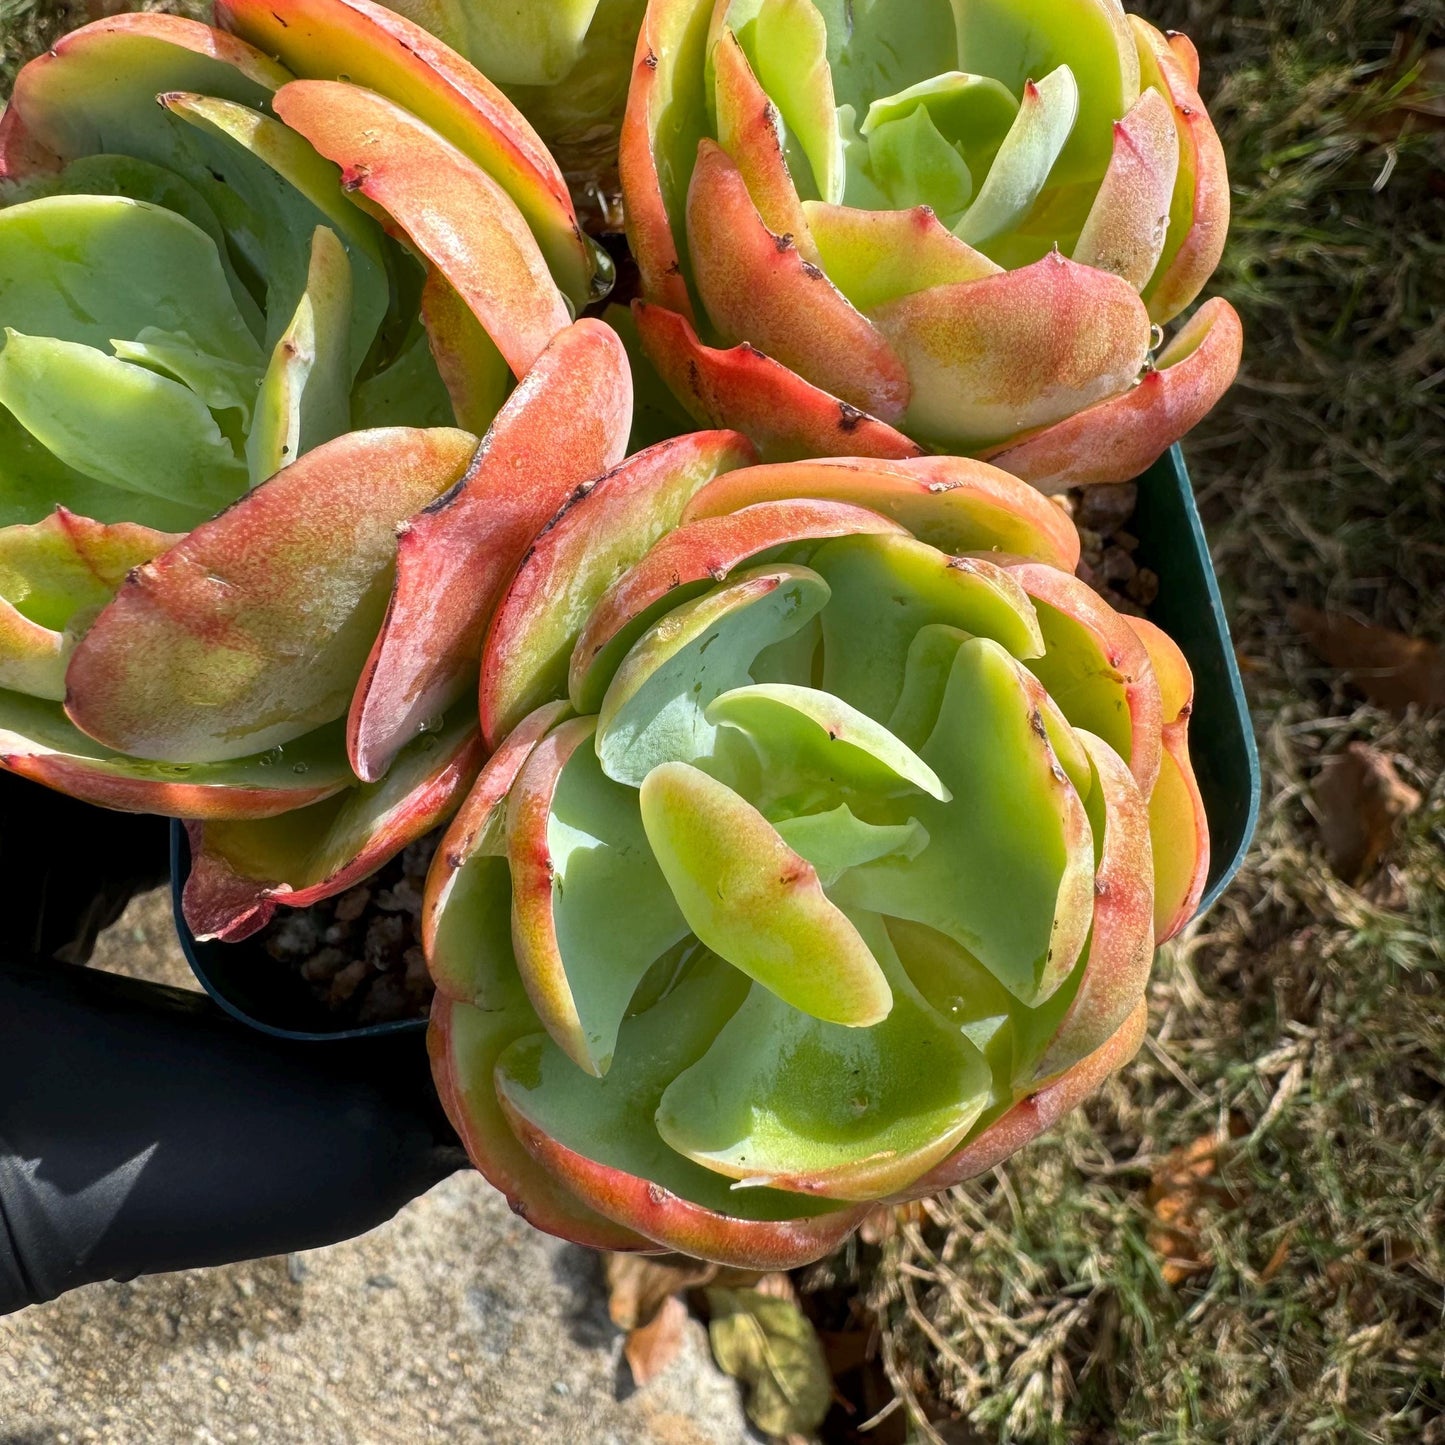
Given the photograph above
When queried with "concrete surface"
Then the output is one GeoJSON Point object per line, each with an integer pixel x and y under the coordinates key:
{"type": "Point", "coordinates": [454, 1322]}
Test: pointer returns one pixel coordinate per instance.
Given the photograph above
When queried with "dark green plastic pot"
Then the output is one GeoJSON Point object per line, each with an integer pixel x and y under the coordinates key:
{"type": "Point", "coordinates": [253, 987]}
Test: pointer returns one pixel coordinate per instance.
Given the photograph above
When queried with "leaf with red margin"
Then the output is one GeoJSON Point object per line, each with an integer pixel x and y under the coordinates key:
{"type": "Point", "coordinates": [707, 549]}
{"type": "Point", "coordinates": [565, 424]}
{"type": "Point", "coordinates": [38, 741]}
{"type": "Point", "coordinates": [254, 629]}
{"type": "Point", "coordinates": [598, 1138]}
{"type": "Point", "coordinates": [1095, 667]}
{"type": "Point", "coordinates": [241, 871]}
{"type": "Point", "coordinates": [104, 77]}
{"type": "Point", "coordinates": [464, 1043]}
{"type": "Point", "coordinates": [449, 209]}
{"type": "Point", "coordinates": [456, 897]}
{"type": "Point", "coordinates": [952, 503]}
{"type": "Point", "coordinates": [371, 46]}
{"type": "Point", "coordinates": [54, 573]}
{"type": "Point", "coordinates": [990, 359]}
{"type": "Point", "coordinates": [1128, 223]}
{"type": "Point", "coordinates": [1177, 821]}
{"type": "Point", "coordinates": [1118, 439]}
{"type": "Point", "coordinates": [748, 129]}
{"type": "Point", "coordinates": [1199, 211]}
{"type": "Point", "coordinates": [667, 113]}
{"type": "Point", "coordinates": [786, 417]}
{"type": "Point", "coordinates": [582, 551]}
{"type": "Point", "coordinates": [1026, 1120]}
{"type": "Point", "coordinates": [1121, 942]}
{"type": "Point", "coordinates": [758, 289]}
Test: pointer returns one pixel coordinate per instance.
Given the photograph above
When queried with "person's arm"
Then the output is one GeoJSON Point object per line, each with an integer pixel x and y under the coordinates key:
{"type": "Point", "coordinates": [140, 1128]}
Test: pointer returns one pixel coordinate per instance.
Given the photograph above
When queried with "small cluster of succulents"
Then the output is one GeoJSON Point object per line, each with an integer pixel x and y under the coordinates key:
{"type": "Point", "coordinates": [812, 825]}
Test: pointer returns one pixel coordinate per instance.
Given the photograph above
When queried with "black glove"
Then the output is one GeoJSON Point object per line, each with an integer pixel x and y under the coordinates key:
{"type": "Point", "coordinates": [140, 1128]}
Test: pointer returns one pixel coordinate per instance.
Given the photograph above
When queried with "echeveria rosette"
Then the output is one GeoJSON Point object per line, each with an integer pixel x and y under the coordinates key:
{"type": "Point", "coordinates": [285, 353]}
{"type": "Point", "coordinates": [884, 226]}
{"type": "Point", "coordinates": [819, 858]}
{"type": "Point", "coordinates": [565, 64]}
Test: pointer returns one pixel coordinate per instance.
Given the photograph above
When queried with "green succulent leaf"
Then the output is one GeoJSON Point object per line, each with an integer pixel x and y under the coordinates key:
{"type": "Point", "coordinates": [611, 1119]}
{"type": "Point", "coordinates": [1008, 871]}
{"type": "Point", "coordinates": [785, 1097]}
{"type": "Point", "coordinates": [755, 902]}
{"type": "Point", "coordinates": [118, 423]}
{"type": "Point", "coordinates": [655, 709]}
{"type": "Point", "coordinates": [884, 590]}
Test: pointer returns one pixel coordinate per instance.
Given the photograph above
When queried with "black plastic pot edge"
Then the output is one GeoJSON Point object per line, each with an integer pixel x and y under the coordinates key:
{"type": "Point", "coordinates": [257, 990]}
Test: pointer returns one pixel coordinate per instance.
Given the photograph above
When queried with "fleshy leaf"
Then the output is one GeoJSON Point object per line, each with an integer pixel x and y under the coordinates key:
{"type": "Point", "coordinates": [654, 709]}
{"type": "Point", "coordinates": [591, 911]}
{"type": "Point", "coordinates": [465, 1043]}
{"type": "Point", "coordinates": [38, 741]}
{"type": "Point", "coordinates": [695, 552]}
{"type": "Point", "coordinates": [1045, 120]}
{"type": "Point", "coordinates": [118, 423]}
{"type": "Point", "coordinates": [790, 1101]}
{"type": "Point", "coordinates": [1009, 868]}
{"type": "Point", "coordinates": [222, 647]}
{"type": "Point", "coordinates": [241, 870]}
{"type": "Point", "coordinates": [576, 559]}
{"type": "Point", "coordinates": [599, 1136]}
{"type": "Point", "coordinates": [755, 902]}
{"type": "Point", "coordinates": [566, 423]}
{"type": "Point", "coordinates": [373, 47]}
{"type": "Point", "coordinates": [885, 588]}
{"type": "Point", "coordinates": [90, 269]}
{"type": "Point", "coordinates": [451, 210]}
{"type": "Point", "coordinates": [801, 729]}
{"type": "Point", "coordinates": [305, 394]}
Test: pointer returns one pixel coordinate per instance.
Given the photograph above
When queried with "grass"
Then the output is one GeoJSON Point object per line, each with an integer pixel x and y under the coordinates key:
{"type": "Point", "coordinates": [1302, 1025]}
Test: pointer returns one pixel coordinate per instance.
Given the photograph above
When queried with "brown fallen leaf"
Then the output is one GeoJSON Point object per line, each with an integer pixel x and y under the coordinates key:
{"type": "Point", "coordinates": [1360, 799]}
{"type": "Point", "coordinates": [652, 1347]}
{"type": "Point", "coordinates": [772, 1347]}
{"type": "Point", "coordinates": [1391, 669]}
{"type": "Point", "coordinates": [638, 1286]}
{"type": "Point", "coordinates": [1184, 1190]}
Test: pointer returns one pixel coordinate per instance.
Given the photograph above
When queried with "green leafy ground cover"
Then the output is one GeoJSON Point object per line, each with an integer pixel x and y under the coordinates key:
{"type": "Point", "coordinates": [1243, 1238]}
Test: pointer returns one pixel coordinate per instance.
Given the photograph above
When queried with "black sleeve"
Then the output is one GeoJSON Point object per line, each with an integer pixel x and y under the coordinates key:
{"type": "Point", "coordinates": [143, 1130]}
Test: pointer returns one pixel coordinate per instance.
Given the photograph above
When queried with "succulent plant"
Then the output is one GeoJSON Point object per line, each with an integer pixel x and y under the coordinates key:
{"type": "Point", "coordinates": [882, 226]}
{"type": "Point", "coordinates": [263, 289]}
{"type": "Point", "coordinates": [565, 64]}
{"type": "Point", "coordinates": [830, 828]}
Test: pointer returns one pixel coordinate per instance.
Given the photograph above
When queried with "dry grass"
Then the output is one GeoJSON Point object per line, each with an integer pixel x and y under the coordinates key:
{"type": "Point", "coordinates": [1303, 1023]}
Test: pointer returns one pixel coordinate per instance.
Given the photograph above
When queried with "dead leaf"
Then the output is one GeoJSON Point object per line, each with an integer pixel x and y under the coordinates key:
{"type": "Point", "coordinates": [652, 1347]}
{"type": "Point", "coordinates": [1361, 799]}
{"type": "Point", "coordinates": [770, 1345]}
{"type": "Point", "coordinates": [1184, 1190]}
{"type": "Point", "coordinates": [639, 1286]}
{"type": "Point", "coordinates": [1391, 669]}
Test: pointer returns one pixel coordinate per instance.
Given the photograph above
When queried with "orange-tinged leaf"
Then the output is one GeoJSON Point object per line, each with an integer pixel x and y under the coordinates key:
{"type": "Point", "coordinates": [785, 416]}
{"type": "Point", "coordinates": [758, 289]}
{"type": "Point", "coordinates": [241, 871]}
{"type": "Point", "coordinates": [450, 209]}
{"type": "Point", "coordinates": [1116, 439]}
{"type": "Point", "coordinates": [253, 630]}
{"type": "Point", "coordinates": [566, 423]}
{"type": "Point", "coordinates": [372, 46]}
